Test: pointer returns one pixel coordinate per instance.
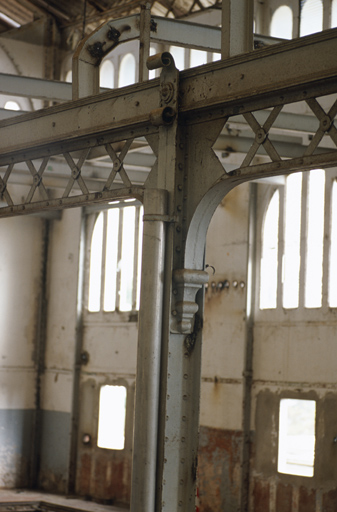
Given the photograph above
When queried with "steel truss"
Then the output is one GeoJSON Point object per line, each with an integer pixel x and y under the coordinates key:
{"type": "Point", "coordinates": [180, 116]}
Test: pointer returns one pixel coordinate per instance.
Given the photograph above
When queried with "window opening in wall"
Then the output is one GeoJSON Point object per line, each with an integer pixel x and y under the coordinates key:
{"type": "Point", "coordinates": [115, 260]}
{"type": "Point", "coordinates": [69, 76]}
{"type": "Point", "coordinates": [269, 259]}
{"type": "Point", "coordinates": [296, 446]}
{"type": "Point", "coordinates": [332, 290]}
{"type": "Point", "coordinates": [311, 18]}
{"type": "Point", "coordinates": [127, 70]}
{"type": "Point", "coordinates": [197, 58]}
{"type": "Point", "coordinates": [314, 238]}
{"type": "Point", "coordinates": [292, 267]}
{"type": "Point", "coordinates": [111, 417]}
{"type": "Point", "coordinates": [107, 74]}
{"type": "Point", "coordinates": [12, 105]}
{"type": "Point", "coordinates": [282, 23]}
{"type": "Point", "coordinates": [292, 237]}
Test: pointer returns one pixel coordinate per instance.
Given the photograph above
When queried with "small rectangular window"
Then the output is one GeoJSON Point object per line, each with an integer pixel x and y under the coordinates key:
{"type": "Point", "coordinates": [111, 417]}
{"type": "Point", "coordinates": [296, 446]}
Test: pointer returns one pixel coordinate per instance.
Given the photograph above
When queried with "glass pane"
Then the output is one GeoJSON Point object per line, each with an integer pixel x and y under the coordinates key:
{"type": "Point", "coordinates": [111, 418]}
{"type": "Point", "coordinates": [269, 263]}
{"type": "Point", "coordinates": [197, 58]}
{"type": "Point", "coordinates": [311, 17]}
{"type": "Point", "coordinates": [296, 447]}
{"type": "Point", "coordinates": [282, 23]}
{"type": "Point", "coordinates": [333, 250]}
{"type": "Point", "coordinates": [179, 56]}
{"type": "Point", "coordinates": [315, 231]}
{"type": "Point", "coordinates": [127, 71]}
{"type": "Point", "coordinates": [106, 74]}
{"type": "Point", "coordinates": [95, 269]}
{"type": "Point", "coordinates": [126, 263]}
{"type": "Point", "coordinates": [292, 238]}
{"type": "Point", "coordinates": [111, 260]}
{"type": "Point", "coordinates": [152, 72]}
{"type": "Point", "coordinates": [69, 76]}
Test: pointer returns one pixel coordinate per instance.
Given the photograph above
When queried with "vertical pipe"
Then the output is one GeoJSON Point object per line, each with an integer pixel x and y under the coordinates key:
{"type": "Point", "coordinates": [40, 359]}
{"type": "Point", "coordinates": [149, 354]}
{"type": "Point", "coordinates": [71, 483]}
{"type": "Point", "coordinates": [144, 41]}
{"type": "Point", "coordinates": [249, 344]}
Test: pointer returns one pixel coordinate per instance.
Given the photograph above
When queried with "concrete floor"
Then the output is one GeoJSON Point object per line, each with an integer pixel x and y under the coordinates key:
{"type": "Point", "coordinates": [15, 496]}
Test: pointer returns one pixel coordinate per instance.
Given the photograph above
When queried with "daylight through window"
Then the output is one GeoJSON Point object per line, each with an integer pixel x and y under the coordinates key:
{"type": "Point", "coordinates": [111, 417]}
{"type": "Point", "coordinates": [296, 446]}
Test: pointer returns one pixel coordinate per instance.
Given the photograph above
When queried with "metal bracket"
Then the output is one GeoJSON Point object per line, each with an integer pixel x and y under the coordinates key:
{"type": "Point", "coordinates": [186, 284]}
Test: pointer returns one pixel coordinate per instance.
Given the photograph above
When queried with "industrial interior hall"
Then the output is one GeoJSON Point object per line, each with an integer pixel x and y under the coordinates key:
{"type": "Point", "coordinates": [168, 249]}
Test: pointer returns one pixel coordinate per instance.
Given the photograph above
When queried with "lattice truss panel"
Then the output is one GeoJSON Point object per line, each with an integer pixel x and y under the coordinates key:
{"type": "Point", "coordinates": [287, 137]}
{"type": "Point", "coordinates": [84, 175]}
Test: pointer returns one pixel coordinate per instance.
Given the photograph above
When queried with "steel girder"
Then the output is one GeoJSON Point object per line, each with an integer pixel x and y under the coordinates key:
{"type": "Point", "coordinates": [181, 117]}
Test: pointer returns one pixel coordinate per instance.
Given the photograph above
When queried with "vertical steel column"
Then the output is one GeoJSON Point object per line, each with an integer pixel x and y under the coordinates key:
{"type": "Point", "coordinates": [149, 354]}
{"type": "Point", "coordinates": [237, 27]}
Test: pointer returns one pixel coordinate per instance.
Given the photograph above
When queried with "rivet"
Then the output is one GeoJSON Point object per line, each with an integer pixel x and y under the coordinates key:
{"type": "Point", "coordinates": [180, 167]}
{"type": "Point", "coordinates": [184, 397]}
{"type": "Point", "coordinates": [178, 249]}
{"type": "Point", "coordinates": [181, 145]}
{"type": "Point", "coordinates": [178, 229]}
{"type": "Point", "coordinates": [174, 313]}
{"type": "Point", "coordinates": [183, 439]}
{"type": "Point", "coordinates": [179, 207]}
{"type": "Point", "coordinates": [180, 187]}
{"type": "Point", "coordinates": [175, 292]}
{"type": "Point", "coordinates": [184, 418]}
{"type": "Point", "coordinates": [182, 461]}
{"type": "Point", "coordinates": [185, 376]}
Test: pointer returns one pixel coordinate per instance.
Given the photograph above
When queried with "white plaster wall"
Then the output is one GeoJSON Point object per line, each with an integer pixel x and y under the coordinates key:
{"type": "Point", "coordinates": [224, 326]}
{"type": "Point", "coordinates": [20, 273]}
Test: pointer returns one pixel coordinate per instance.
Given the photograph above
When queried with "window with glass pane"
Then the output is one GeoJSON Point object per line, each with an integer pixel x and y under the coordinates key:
{"type": "Point", "coordinates": [115, 260]}
{"type": "Point", "coordinates": [333, 249]}
{"type": "Point", "coordinates": [311, 17]}
{"type": "Point", "coordinates": [314, 239]}
{"type": "Point", "coordinates": [282, 23]}
{"type": "Point", "coordinates": [111, 417]}
{"type": "Point", "coordinates": [127, 70]}
{"type": "Point", "coordinates": [296, 444]}
{"type": "Point", "coordinates": [269, 259]}
{"type": "Point", "coordinates": [292, 238]}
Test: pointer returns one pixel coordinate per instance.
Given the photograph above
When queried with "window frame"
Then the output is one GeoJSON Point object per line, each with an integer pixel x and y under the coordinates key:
{"type": "Point", "coordinates": [91, 215]}
{"type": "Point", "coordinates": [301, 313]}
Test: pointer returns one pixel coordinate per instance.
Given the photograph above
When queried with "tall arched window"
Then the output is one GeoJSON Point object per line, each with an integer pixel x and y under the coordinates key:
{"type": "Point", "coordinates": [115, 260]}
{"type": "Point", "coordinates": [127, 70]}
{"type": "Point", "coordinates": [197, 58]}
{"type": "Point", "coordinates": [269, 258]}
{"type": "Point", "coordinates": [311, 17]}
{"type": "Point", "coordinates": [107, 75]}
{"type": "Point", "coordinates": [282, 23]}
{"type": "Point", "coordinates": [294, 234]}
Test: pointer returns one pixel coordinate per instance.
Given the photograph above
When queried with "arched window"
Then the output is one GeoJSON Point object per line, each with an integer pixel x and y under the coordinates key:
{"type": "Point", "coordinates": [311, 18]}
{"type": "Point", "coordinates": [127, 70]}
{"type": "Point", "coordinates": [269, 258]}
{"type": "Point", "coordinates": [115, 260]}
{"type": "Point", "coordinates": [12, 105]}
{"type": "Point", "coordinates": [298, 223]}
{"type": "Point", "coordinates": [107, 74]}
{"type": "Point", "coordinates": [282, 23]}
{"type": "Point", "coordinates": [69, 76]}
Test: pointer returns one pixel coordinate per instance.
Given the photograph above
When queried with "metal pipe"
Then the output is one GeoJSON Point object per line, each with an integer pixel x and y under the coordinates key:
{"type": "Point", "coordinates": [249, 344]}
{"type": "Point", "coordinates": [143, 489]}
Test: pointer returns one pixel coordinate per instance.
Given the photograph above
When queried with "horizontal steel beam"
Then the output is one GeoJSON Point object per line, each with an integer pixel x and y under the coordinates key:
{"type": "Point", "coordinates": [248, 82]}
